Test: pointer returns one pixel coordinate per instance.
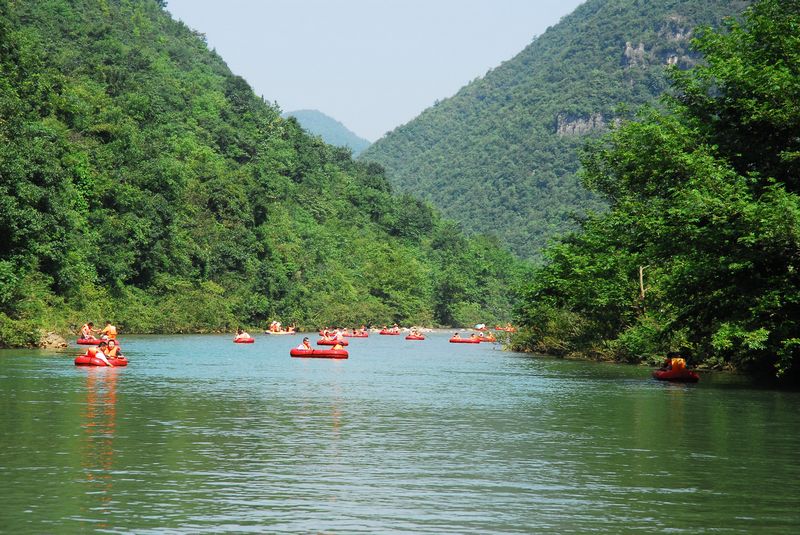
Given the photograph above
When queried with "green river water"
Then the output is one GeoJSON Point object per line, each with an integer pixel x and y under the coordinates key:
{"type": "Point", "coordinates": [200, 435]}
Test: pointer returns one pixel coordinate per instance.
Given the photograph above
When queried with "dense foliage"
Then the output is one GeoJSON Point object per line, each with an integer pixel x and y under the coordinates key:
{"type": "Point", "coordinates": [501, 155]}
{"type": "Point", "coordinates": [141, 181]}
{"type": "Point", "coordinates": [705, 200]}
{"type": "Point", "coordinates": [329, 129]}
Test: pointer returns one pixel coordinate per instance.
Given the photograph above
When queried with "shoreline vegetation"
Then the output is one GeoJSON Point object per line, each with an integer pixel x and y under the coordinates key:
{"type": "Point", "coordinates": [698, 250]}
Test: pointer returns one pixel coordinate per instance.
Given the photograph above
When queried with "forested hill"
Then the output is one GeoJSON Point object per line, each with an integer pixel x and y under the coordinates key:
{"type": "Point", "coordinates": [141, 181]}
{"type": "Point", "coordinates": [501, 155]}
{"type": "Point", "coordinates": [329, 129]}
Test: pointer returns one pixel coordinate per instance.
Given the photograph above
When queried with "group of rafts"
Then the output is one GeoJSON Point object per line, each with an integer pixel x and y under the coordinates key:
{"type": "Point", "coordinates": [102, 351]}
{"type": "Point", "coordinates": [106, 350]}
{"type": "Point", "coordinates": [336, 339]}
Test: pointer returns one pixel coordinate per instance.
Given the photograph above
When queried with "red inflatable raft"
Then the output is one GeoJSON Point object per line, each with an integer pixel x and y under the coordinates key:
{"type": "Point", "coordinates": [319, 353]}
{"type": "Point", "coordinates": [244, 340]}
{"type": "Point", "coordinates": [465, 341]}
{"type": "Point", "coordinates": [324, 342]}
{"type": "Point", "coordinates": [387, 332]}
{"type": "Point", "coordinates": [89, 341]}
{"type": "Point", "coordinates": [411, 337]}
{"type": "Point", "coordinates": [676, 376]}
{"type": "Point", "coordinates": [86, 360]}
{"type": "Point", "coordinates": [357, 335]}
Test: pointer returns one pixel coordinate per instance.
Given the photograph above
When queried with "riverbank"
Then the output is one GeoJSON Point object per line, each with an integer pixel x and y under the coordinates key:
{"type": "Point", "coordinates": [524, 342]}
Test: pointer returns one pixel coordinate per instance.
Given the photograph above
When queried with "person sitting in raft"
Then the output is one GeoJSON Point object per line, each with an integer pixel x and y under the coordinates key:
{"type": "Point", "coordinates": [87, 331]}
{"type": "Point", "coordinates": [677, 364]}
{"type": "Point", "coordinates": [306, 344]}
{"type": "Point", "coordinates": [112, 351]}
{"type": "Point", "coordinates": [338, 346]}
{"type": "Point", "coordinates": [241, 334]}
{"type": "Point", "coordinates": [98, 352]}
{"type": "Point", "coordinates": [670, 362]}
{"type": "Point", "coordinates": [474, 336]}
{"type": "Point", "coordinates": [456, 335]}
{"type": "Point", "coordinates": [109, 332]}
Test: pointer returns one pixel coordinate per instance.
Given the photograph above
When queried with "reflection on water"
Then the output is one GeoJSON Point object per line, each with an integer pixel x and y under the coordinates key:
{"type": "Point", "coordinates": [201, 435]}
{"type": "Point", "coordinates": [97, 444]}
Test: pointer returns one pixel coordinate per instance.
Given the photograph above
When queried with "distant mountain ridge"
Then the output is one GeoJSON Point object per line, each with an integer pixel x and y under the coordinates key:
{"type": "Point", "coordinates": [329, 129]}
{"type": "Point", "coordinates": [501, 155]}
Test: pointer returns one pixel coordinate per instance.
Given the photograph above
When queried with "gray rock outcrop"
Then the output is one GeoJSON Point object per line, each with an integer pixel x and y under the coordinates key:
{"type": "Point", "coordinates": [51, 340]}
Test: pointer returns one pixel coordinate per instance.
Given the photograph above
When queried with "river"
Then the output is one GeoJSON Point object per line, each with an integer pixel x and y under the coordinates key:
{"type": "Point", "coordinates": [200, 435]}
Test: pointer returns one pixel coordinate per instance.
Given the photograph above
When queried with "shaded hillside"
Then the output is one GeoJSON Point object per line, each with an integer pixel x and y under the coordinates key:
{"type": "Point", "coordinates": [501, 155]}
{"type": "Point", "coordinates": [143, 182]}
{"type": "Point", "coordinates": [329, 129]}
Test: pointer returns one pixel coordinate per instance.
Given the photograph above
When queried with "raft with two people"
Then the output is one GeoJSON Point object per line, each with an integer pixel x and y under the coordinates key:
{"type": "Point", "coordinates": [86, 360]}
{"type": "Point", "coordinates": [319, 353]}
{"type": "Point", "coordinates": [277, 328]}
{"type": "Point", "coordinates": [674, 370]}
{"type": "Point", "coordinates": [459, 340]}
{"type": "Point", "coordinates": [356, 334]}
{"type": "Point", "coordinates": [389, 332]}
{"type": "Point", "coordinates": [91, 358]}
{"type": "Point", "coordinates": [243, 337]}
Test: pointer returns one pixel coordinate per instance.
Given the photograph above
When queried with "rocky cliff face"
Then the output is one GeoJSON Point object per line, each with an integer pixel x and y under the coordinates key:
{"type": "Point", "coordinates": [633, 57]}
{"type": "Point", "coordinates": [567, 125]}
{"type": "Point", "coordinates": [672, 47]}
{"type": "Point", "coordinates": [51, 340]}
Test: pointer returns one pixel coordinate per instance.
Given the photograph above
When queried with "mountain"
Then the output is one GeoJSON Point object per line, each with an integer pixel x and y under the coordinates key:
{"type": "Point", "coordinates": [501, 155]}
{"type": "Point", "coordinates": [143, 182]}
{"type": "Point", "coordinates": [329, 129]}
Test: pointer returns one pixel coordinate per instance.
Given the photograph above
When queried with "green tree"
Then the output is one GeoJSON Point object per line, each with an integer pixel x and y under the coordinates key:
{"type": "Point", "coordinates": [703, 200]}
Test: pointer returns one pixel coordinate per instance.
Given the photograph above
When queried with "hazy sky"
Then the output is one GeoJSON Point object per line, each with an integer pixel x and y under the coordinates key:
{"type": "Point", "coordinates": [371, 64]}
